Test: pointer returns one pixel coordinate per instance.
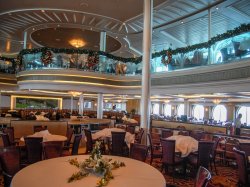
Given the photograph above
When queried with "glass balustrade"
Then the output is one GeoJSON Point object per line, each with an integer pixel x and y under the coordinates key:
{"type": "Point", "coordinates": [226, 51]}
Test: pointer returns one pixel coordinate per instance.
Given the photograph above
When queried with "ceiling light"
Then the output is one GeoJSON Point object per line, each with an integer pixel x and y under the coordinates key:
{"type": "Point", "coordinates": [182, 22]}
{"type": "Point", "coordinates": [42, 10]}
{"type": "Point", "coordinates": [74, 93]}
{"type": "Point", "coordinates": [77, 43]}
{"type": "Point", "coordinates": [217, 101]}
{"type": "Point", "coordinates": [33, 29]}
{"type": "Point", "coordinates": [166, 101]}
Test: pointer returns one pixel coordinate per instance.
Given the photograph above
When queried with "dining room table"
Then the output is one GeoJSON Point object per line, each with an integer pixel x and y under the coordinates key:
{"type": "Point", "coordinates": [106, 133]}
{"type": "Point", "coordinates": [184, 144]}
{"type": "Point", "coordinates": [56, 172]}
{"type": "Point", "coordinates": [47, 136]}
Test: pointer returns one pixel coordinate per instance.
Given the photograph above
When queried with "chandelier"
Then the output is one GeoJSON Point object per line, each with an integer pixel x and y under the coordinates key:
{"type": "Point", "coordinates": [77, 43]}
{"type": "Point", "coordinates": [217, 101]}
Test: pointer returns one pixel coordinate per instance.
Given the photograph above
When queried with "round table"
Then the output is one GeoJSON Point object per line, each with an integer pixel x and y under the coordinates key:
{"type": "Point", "coordinates": [55, 173]}
{"type": "Point", "coordinates": [49, 137]}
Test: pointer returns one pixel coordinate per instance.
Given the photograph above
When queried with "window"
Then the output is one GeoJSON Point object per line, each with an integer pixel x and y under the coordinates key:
{"type": "Point", "coordinates": [198, 112]}
{"type": "Point", "coordinates": [108, 105]}
{"type": "Point", "coordinates": [220, 113]}
{"type": "Point", "coordinates": [245, 111]}
{"type": "Point", "coordinates": [180, 110]}
{"type": "Point", "coordinates": [87, 104]}
{"type": "Point", "coordinates": [156, 108]}
{"type": "Point", "coordinates": [167, 110]}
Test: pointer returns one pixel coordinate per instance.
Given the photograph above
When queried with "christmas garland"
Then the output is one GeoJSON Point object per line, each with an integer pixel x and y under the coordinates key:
{"type": "Point", "coordinates": [230, 33]}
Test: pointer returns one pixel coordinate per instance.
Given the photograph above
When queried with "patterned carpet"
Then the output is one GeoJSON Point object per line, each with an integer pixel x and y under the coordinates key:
{"type": "Point", "coordinates": [227, 177]}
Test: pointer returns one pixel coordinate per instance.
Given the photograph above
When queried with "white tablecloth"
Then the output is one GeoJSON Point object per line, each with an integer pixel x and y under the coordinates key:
{"type": "Point", "coordinates": [129, 138]}
{"type": "Point", "coordinates": [47, 136]}
{"type": "Point", "coordinates": [184, 144]}
{"type": "Point", "coordinates": [55, 172]}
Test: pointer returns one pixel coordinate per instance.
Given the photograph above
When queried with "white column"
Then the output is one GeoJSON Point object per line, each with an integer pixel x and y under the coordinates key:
{"type": "Point", "coordinates": [209, 35]}
{"type": "Point", "coordinates": [103, 41]}
{"type": "Point", "coordinates": [81, 102]}
{"type": "Point", "coordinates": [146, 82]}
{"type": "Point", "coordinates": [100, 106]}
{"type": "Point", "coordinates": [25, 40]}
{"type": "Point", "coordinates": [186, 107]}
{"type": "Point", "coordinates": [71, 104]}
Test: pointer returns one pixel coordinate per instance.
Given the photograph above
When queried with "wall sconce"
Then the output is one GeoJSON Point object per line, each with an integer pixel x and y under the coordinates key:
{"type": "Point", "coordinates": [206, 109]}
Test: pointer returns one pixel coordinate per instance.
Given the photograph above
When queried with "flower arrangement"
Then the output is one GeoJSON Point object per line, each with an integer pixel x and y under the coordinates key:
{"type": "Point", "coordinates": [97, 165]}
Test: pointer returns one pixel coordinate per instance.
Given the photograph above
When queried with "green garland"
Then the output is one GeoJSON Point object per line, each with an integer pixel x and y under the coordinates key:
{"type": "Point", "coordinates": [230, 33]}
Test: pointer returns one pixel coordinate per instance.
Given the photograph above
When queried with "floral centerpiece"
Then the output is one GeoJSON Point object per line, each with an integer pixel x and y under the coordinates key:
{"type": "Point", "coordinates": [97, 165]}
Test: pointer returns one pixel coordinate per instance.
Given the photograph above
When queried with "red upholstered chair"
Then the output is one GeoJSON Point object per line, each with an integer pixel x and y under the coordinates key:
{"type": "Point", "coordinates": [34, 149]}
{"type": "Point", "coordinates": [202, 178]}
{"type": "Point", "coordinates": [139, 135]}
{"type": "Point", "coordinates": [169, 156]}
{"type": "Point", "coordinates": [52, 149]}
{"type": "Point", "coordinates": [165, 133]}
{"type": "Point", "coordinates": [10, 163]}
{"type": "Point", "coordinates": [155, 150]}
{"type": "Point", "coordinates": [138, 151]}
{"type": "Point", "coordinates": [241, 160]}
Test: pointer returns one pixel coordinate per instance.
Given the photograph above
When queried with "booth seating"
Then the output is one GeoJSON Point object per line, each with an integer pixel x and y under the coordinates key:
{"type": "Point", "coordinates": [26, 127]}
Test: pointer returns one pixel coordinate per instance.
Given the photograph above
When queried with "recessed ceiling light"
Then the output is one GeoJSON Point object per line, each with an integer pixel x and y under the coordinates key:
{"type": "Point", "coordinates": [182, 22]}
{"type": "Point", "coordinates": [42, 10]}
{"type": "Point", "coordinates": [91, 28]}
{"type": "Point", "coordinates": [116, 37]}
{"type": "Point", "coordinates": [217, 8]}
{"type": "Point", "coordinates": [58, 39]}
{"type": "Point", "coordinates": [33, 29]}
{"type": "Point", "coordinates": [58, 25]}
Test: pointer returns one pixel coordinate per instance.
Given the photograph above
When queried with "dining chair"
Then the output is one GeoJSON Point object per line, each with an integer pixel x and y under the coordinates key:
{"type": "Point", "coordinates": [118, 145]}
{"type": "Point", "coordinates": [203, 177]}
{"type": "Point", "coordinates": [89, 141]}
{"type": "Point", "coordinates": [229, 153]}
{"type": "Point", "coordinates": [69, 134]}
{"type": "Point", "coordinates": [155, 150]}
{"type": "Point", "coordinates": [245, 147]}
{"type": "Point", "coordinates": [52, 149]}
{"type": "Point", "coordinates": [165, 133]}
{"type": "Point", "coordinates": [138, 151]}
{"type": "Point", "coordinates": [34, 149]}
{"type": "Point", "coordinates": [38, 128]}
{"type": "Point", "coordinates": [130, 129]}
{"type": "Point", "coordinates": [183, 133]}
{"type": "Point", "coordinates": [75, 147]}
{"type": "Point", "coordinates": [202, 157]}
{"type": "Point", "coordinates": [243, 173]}
{"type": "Point", "coordinates": [197, 134]}
{"type": "Point", "coordinates": [10, 163]}
{"type": "Point", "coordinates": [169, 157]}
{"type": "Point", "coordinates": [10, 132]}
{"type": "Point", "coordinates": [6, 140]}
{"type": "Point", "coordinates": [212, 155]}
{"type": "Point", "coordinates": [139, 135]}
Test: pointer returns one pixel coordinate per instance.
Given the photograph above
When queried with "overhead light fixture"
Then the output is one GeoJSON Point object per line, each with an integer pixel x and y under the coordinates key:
{"type": "Point", "coordinates": [217, 101]}
{"type": "Point", "coordinates": [166, 101]}
{"type": "Point", "coordinates": [74, 93]}
{"type": "Point", "coordinates": [77, 43]}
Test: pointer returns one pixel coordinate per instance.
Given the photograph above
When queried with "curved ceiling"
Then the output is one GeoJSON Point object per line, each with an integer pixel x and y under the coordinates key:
{"type": "Point", "coordinates": [177, 23]}
{"type": "Point", "coordinates": [60, 37]}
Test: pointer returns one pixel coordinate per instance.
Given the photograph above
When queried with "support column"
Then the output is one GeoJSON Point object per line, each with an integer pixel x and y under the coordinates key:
{"type": "Point", "coordinates": [103, 41]}
{"type": "Point", "coordinates": [186, 107]}
{"type": "Point", "coordinates": [81, 102]}
{"type": "Point", "coordinates": [209, 35]}
{"type": "Point", "coordinates": [100, 106]}
{"type": "Point", "coordinates": [146, 82]}
{"type": "Point", "coordinates": [71, 104]}
{"type": "Point", "coordinates": [25, 40]}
